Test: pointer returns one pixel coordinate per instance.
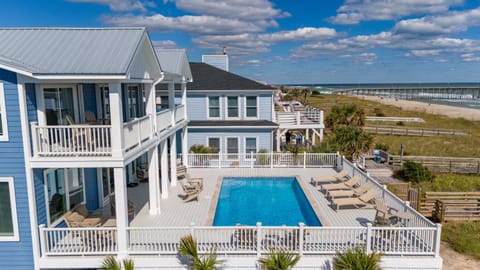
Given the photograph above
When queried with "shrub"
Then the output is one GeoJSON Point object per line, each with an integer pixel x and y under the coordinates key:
{"type": "Point", "coordinates": [414, 172]}
{"type": "Point", "coordinates": [278, 260]}
{"type": "Point", "coordinates": [357, 259]}
{"type": "Point", "coordinates": [400, 123]}
{"type": "Point", "coordinates": [201, 149]}
{"type": "Point", "coordinates": [381, 146]}
{"type": "Point", "coordinates": [263, 158]}
{"type": "Point", "coordinates": [188, 247]}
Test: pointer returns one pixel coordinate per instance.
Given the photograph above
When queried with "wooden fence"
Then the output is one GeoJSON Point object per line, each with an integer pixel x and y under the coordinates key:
{"type": "Point", "coordinates": [408, 131]}
{"type": "Point", "coordinates": [436, 164]}
{"type": "Point", "coordinates": [449, 206]}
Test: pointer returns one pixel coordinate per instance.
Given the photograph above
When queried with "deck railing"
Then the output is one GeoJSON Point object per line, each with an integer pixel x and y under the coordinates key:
{"type": "Point", "coordinates": [77, 140]}
{"type": "Point", "coordinates": [179, 113]}
{"type": "Point", "coordinates": [246, 240]}
{"type": "Point", "coordinates": [262, 160]}
{"type": "Point", "coordinates": [310, 116]}
{"type": "Point", "coordinates": [137, 131]}
{"type": "Point", "coordinates": [164, 120]}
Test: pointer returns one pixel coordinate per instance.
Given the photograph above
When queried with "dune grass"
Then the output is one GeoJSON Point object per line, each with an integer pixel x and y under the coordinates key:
{"type": "Point", "coordinates": [463, 237]}
{"type": "Point", "coordinates": [451, 183]}
{"type": "Point", "coordinates": [452, 146]}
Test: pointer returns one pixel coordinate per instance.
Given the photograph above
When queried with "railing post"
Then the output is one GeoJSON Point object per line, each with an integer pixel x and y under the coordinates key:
{"type": "Point", "coordinates": [271, 160]}
{"type": "Point", "coordinates": [219, 160]}
{"type": "Point", "coordinates": [251, 160]}
{"type": "Point", "coordinates": [259, 239]}
{"type": "Point", "coordinates": [301, 236]}
{"type": "Point", "coordinates": [43, 240]}
{"type": "Point", "coordinates": [438, 239]}
{"type": "Point", "coordinates": [368, 246]}
{"type": "Point", "coordinates": [35, 137]}
{"type": "Point", "coordinates": [298, 118]}
{"type": "Point", "coordinates": [304, 159]}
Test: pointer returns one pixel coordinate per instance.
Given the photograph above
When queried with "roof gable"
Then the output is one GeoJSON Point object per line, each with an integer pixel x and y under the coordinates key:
{"type": "Point", "coordinates": [70, 51]}
{"type": "Point", "coordinates": [207, 77]}
{"type": "Point", "coordinates": [174, 62]}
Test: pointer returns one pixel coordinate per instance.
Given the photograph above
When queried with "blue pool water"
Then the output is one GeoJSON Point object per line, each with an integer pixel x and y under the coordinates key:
{"type": "Point", "coordinates": [272, 201]}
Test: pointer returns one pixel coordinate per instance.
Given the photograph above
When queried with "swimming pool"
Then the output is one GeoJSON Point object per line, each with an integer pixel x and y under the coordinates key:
{"type": "Point", "coordinates": [273, 201]}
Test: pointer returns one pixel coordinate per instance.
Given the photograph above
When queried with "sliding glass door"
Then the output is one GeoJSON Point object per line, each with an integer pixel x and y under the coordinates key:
{"type": "Point", "coordinates": [59, 105]}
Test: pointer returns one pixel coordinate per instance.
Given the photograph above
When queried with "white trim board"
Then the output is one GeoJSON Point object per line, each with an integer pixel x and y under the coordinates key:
{"type": "Point", "coordinates": [13, 209]}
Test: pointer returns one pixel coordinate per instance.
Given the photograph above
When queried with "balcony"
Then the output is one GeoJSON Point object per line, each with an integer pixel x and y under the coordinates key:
{"type": "Point", "coordinates": [304, 117]}
{"type": "Point", "coordinates": [85, 140]}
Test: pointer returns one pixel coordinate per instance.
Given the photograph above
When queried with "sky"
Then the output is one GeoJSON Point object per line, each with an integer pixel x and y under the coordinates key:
{"type": "Point", "coordinates": [292, 41]}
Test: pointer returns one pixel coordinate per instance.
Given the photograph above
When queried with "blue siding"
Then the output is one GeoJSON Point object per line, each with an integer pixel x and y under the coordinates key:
{"type": "Point", "coordinates": [15, 255]}
{"type": "Point", "coordinates": [199, 136]}
{"type": "Point", "coordinates": [196, 107]}
{"type": "Point", "coordinates": [265, 107]}
{"type": "Point", "coordinates": [91, 189]}
{"type": "Point", "coordinates": [41, 203]}
{"type": "Point", "coordinates": [89, 98]}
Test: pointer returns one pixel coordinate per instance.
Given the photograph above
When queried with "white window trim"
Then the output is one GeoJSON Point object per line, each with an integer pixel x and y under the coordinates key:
{"type": "Point", "coordinates": [219, 105]}
{"type": "Point", "coordinates": [258, 109]}
{"type": "Point", "coordinates": [219, 142]}
{"type": "Point", "coordinates": [13, 205]}
{"type": "Point", "coordinates": [238, 147]}
{"type": "Point", "coordinates": [42, 117]}
{"type": "Point", "coordinates": [227, 108]}
{"type": "Point", "coordinates": [245, 143]}
{"type": "Point", "coordinates": [4, 137]}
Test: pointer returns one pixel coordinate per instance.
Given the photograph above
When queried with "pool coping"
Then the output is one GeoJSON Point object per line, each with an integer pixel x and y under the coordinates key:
{"type": "Point", "coordinates": [313, 203]}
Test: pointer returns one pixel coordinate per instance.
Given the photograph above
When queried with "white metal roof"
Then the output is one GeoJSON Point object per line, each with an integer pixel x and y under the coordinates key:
{"type": "Point", "coordinates": [70, 51]}
{"type": "Point", "coordinates": [175, 62]}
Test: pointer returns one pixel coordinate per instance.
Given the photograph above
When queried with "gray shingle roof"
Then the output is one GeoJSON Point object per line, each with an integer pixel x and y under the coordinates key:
{"type": "Point", "coordinates": [233, 123]}
{"type": "Point", "coordinates": [174, 61]}
{"type": "Point", "coordinates": [70, 51]}
{"type": "Point", "coordinates": [207, 77]}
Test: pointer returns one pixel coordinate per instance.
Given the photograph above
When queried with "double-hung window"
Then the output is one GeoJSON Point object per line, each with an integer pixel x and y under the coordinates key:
{"type": "Point", "coordinates": [232, 147]}
{"type": "Point", "coordinates": [3, 116]}
{"type": "Point", "coordinates": [232, 109]}
{"type": "Point", "coordinates": [214, 143]}
{"type": "Point", "coordinates": [8, 211]}
{"type": "Point", "coordinates": [250, 146]}
{"type": "Point", "coordinates": [214, 107]}
{"type": "Point", "coordinates": [251, 106]}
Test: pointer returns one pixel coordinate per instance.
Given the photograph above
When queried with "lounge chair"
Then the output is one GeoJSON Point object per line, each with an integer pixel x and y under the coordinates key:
{"type": "Point", "coordinates": [329, 178]}
{"type": "Point", "coordinates": [363, 200]}
{"type": "Point", "coordinates": [349, 184]}
{"type": "Point", "coordinates": [353, 192]}
{"type": "Point", "coordinates": [191, 192]}
{"type": "Point", "coordinates": [196, 181]}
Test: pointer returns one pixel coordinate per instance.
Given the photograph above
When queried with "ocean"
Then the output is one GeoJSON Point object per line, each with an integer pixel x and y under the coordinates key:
{"type": "Point", "coordinates": [466, 95]}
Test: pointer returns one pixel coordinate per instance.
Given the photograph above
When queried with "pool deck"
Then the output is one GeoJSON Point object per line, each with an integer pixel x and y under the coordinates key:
{"type": "Point", "coordinates": [176, 213]}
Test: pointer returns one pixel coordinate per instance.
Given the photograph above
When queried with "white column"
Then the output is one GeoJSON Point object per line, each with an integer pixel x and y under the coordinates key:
{"type": "Point", "coordinates": [185, 146]}
{"type": "Point", "coordinates": [184, 96]}
{"type": "Point", "coordinates": [151, 105]}
{"type": "Point", "coordinates": [121, 210]}
{"type": "Point", "coordinates": [153, 181]}
{"type": "Point", "coordinates": [164, 168]}
{"type": "Point", "coordinates": [173, 160]}
{"type": "Point", "coordinates": [321, 135]}
{"type": "Point", "coordinates": [278, 140]}
{"type": "Point", "coordinates": [171, 100]}
{"type": "Point", "coordinates": [116, 119]}
{"type": "Point", "coordinates": [313, 138]}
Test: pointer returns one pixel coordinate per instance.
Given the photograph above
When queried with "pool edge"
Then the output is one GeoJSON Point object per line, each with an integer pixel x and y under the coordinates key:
{"type": "Point", "coordinates": [312, 201]}
{"type": "Point", "coordinates": [214, 202]}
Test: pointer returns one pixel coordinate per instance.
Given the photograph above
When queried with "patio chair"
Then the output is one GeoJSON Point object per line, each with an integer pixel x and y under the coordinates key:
{"type": "Point", "coordinates": [181, 169]}
{"type": "Point", "coordinates": [90, 117]}
{"type": "Point", "coordinates": [329, 178]}
{"type": "Point", "coordinates": [191, 192]}
{"type": "Point", "coordinates": [197, 181]}
{"type": "Point", "coordinates": [131, 207]}
{"type": "Point", "coordinates": [353, 192]}
{"type": "Point", "coordinates": [80, 137]}
{"type": "Point", "coordinates": [349, 184]}
{"type": "Point", "coordinates": [388, 216]}
{"type": "Point", "coordinates": [364, 199]}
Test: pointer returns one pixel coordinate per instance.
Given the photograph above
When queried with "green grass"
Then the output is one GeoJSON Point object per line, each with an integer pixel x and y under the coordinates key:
{"type": "Point", "coordinates": [463, 237]}
{"type": "Point", "coordinates": [452, 183]}
{"type": "Point", "coordinates": [452, 146]}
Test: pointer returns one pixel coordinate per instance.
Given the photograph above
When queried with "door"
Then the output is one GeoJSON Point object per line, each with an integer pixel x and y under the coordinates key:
{"type": "Point", "coordinates": [59, 105]}
{"type": "Point", "coordinates": [108, 184]}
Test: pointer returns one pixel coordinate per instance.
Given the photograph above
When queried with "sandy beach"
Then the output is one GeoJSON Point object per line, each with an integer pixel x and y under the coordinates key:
{"type": "Point", "coordinates": [450, 111]}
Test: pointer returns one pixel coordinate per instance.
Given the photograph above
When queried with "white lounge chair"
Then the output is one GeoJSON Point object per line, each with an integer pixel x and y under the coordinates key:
{"type": "Point", "coordinates": [329, 178]}
{"type": "Point", "coordinates": [364, 199]}
{"type": "Point", "coordinates": [353, 192]}
{"type": "Point", "coordinates": [349, 184]}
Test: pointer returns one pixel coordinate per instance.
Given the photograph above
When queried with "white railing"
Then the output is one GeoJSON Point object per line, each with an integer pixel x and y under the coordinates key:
{"type": "Point", "coordinates": [262, 160]}
{"type": "Point", "coordinates": [179, 113]}
{"type": "Point", "coordinates": [311, 116]}
{"type": "Point", "coordinates": [78, 241]}
{"type": "Point", "coordinates": [137, 131]}
{"type": "Point", "coordinates": [71, 140]}
{"type": "Point", "coordinates": [164, 120]}
{"type": "Point", "coordinates": [314, 114]}
{"type": "Point", "coordinates": [246, 240]}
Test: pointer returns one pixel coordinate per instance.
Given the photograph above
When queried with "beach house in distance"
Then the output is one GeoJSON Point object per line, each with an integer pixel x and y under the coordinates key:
{"type": "Point", "coordinates": [91, 124]}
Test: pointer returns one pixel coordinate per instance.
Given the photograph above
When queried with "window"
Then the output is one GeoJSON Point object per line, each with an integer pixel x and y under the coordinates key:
{"type": "Point", "coordinates": [232, 107]}
{"type": "Point", "coordinates": [8, 222]}
{"type": "Point", "coordinates": [214, 143]}
{"type": "Point", "coordinates": [232, 147]}
{"type": "Point", "coordinates": [251, 106]}
{"type": "Point", "coordinates": [59, 105]}
{"type": "Point", "coordinates": [250, 145]}
{"type": "Point", "coordinates": [3, 116]}
{"type": "Point", "coordinates": [214, 106]}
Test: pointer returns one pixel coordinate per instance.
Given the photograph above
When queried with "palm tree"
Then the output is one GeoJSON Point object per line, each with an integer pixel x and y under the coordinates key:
{"type": "Point", "coordinates": [352, 141]}
{"type": "Point", "coordinates": [188, 247]}
{"type": "Point", "coordinates": [279, 260]}
{"type": "Point", "coordinates": [111, 264]}
{"type": "Point", "coordinates": [306, 93]}
{"type": "Point", "coordinates": [357, 259]}
{"type": "Point", "coordinates": [345, 115]}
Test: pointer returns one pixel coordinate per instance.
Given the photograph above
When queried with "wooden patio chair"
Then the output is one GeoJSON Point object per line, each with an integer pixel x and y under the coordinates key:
{"type": "Point", "coordinates": [364, 199]}
{"type": "Point", "coordinates": [191, 192]}
{"type": "Point", "coordinates": [349, 184]}
{"type": "Point", "coordinates": [388, 216]}
{"type": "Point", "coordinates": [196, 181]}
{"type": "Point", "coordinates": [329, 178]}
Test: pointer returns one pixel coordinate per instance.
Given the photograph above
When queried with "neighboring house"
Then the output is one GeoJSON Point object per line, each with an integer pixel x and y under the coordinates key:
{"type": "Point", "coordinates": [78, 121]}
{"type": "Point", "coordinates": [229, 113]}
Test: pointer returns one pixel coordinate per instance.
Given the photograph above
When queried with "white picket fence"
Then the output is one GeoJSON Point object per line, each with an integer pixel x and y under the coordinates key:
{"type": "Point", "coordinates": [246, 240]}
{"type": "Point", "coordinates": [262, 160]}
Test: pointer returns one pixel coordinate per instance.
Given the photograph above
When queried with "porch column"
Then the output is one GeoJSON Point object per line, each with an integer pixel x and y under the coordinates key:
{"type": "Point", "coordinates": [164, 168]}
{"type": "Point", "coordinates": [121, 210]}
{"type": "Point", "coordinates": [321, 135]}
{"type": "Point", "coordinates": [278, 140]}
{"type": "Point", "coordinates": [173, 159]}
{"type": "Point", "coordinates": [116, 118]}
{"type": "Point", "coordinates": [151, 105]}
{"type": "Point", "coordinates": [313, 137]}
{"type": "Point", "coordinates": [171, 100]}
{"type": "Point", "coordinates": [184, 96]}
{"type": "Point", "coordinates": [185, 146]}
{"type": "Point", "coordinates": [153, 181]}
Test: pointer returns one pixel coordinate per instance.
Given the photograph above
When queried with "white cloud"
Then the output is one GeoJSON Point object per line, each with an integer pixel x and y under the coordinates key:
{"type": "Point", "coordinates": [305, 33]}
{"type": "Point", "coordinates": [254, 62]}
{"type": "Point", "coordinates": [251, 10]}
{"type": "Point", "coordinates": [165, 44]}
{"type": "Point", "coordinates": [423, 53]}
{"type": "Point", "coordinates": [120, 5]}
{"type": "Point", "coordinates": [355, 11]}
{"type": "Point", "coordinates": [470, 57]}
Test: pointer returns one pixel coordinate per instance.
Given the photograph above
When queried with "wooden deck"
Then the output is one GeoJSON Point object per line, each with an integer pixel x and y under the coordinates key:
{"type": "Point", "coordinates": [174, 212]}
